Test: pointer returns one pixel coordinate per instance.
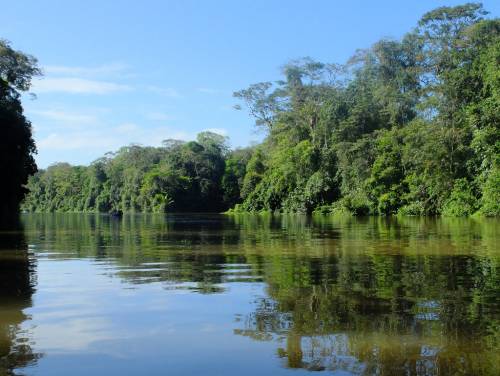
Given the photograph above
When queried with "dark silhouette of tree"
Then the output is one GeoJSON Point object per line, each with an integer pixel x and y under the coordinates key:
{"type": "Point", "coordinates": [16, 143]}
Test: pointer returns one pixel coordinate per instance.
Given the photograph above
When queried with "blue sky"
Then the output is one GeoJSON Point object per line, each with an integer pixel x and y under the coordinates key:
{"type": "Point", "coordinates": [121, 72]}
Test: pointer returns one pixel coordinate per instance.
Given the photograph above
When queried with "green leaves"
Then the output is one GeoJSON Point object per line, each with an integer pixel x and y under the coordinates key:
{"type": "Point", "coordinates": [178, 177]}
{"type": "Point", "coordinates": [16, 68]}
{"type": "Point", "coordinates": [490, 200]}
{"type": "Point", "coordinates": [17, 147]}
{"type": "Point", "coordinates": [407, 126]}
{"type": "Point", "coordinates": [462, 202]}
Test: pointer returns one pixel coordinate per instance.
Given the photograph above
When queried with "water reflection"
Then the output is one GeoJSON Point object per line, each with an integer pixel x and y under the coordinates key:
{"type": "Point", "coordinates": [16, 289]}
{"type": "Point", "coordinates": [416, 297]}
{"type": "Point", "coordinates": [355, 296]}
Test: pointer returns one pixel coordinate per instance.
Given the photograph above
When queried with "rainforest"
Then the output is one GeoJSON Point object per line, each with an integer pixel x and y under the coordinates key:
{"type": "Point", "coordinates": [357, 235]}
{"type": "Point", "coordinates": [408, 126]}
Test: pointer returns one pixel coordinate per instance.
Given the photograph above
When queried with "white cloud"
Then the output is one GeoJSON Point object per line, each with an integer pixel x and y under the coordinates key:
{"type": "Point", "coordinates": [77, 86]}
{"type": "Point", "coordinates": [103, 139]}
{"type": "Point", "coordinates": [72, 141]}
{"type": "Point", "coordinates": [166, 91]}
{"type": "Point", "coordinates": [66, 117]}
{"type": "Point", "coordinates": [107, 70]}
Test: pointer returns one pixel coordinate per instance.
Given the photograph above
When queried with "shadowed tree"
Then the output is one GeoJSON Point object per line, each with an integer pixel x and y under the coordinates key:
{"type": "Point", "coordinates": [16, 144]}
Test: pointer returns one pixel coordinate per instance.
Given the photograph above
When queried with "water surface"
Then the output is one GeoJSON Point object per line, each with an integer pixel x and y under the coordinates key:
{"type": "Point", "coordinates": [249, 295]}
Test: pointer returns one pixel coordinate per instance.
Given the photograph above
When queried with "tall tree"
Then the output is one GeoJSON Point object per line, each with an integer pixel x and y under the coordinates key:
{"type": "Point", "coordinates": [16, 143]}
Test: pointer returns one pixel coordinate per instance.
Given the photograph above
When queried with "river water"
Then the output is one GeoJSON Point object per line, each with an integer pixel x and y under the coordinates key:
{"type": "Point", "coordinates": [249, 295]}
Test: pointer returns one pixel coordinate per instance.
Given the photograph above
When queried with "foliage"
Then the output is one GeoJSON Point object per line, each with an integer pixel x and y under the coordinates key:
{"type": "Point", "coordinates": [16, 144]}
{"type": "Point", "coordinates": [491, 195]}
{"type": "Point", "coordinates": [462, 201]}
{"type": "Point", "coordinates": [405, 127]}
{"type": "Point", "coordinates": [179, 176]}
{"type": "Point", "coordinates": [408, 126]}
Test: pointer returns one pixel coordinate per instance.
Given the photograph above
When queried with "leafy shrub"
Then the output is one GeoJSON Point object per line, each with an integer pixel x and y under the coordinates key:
{"type": "Point", "coordinates": [462, 201]}
{"type": "Point", "coordinates": [490, 202]}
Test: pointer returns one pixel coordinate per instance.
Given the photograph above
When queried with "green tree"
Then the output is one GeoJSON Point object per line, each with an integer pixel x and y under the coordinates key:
{"type": "Point", "coordinates": [16, 144]}
{"type": "Point", "coordinates": [407, 126]}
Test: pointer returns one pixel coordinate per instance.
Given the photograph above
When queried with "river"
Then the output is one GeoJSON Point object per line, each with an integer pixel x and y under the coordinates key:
{"type": "Point", "coordinates": [84, 294]}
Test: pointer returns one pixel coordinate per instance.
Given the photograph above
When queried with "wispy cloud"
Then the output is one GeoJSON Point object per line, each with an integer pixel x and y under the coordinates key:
{"type": "Point", "coordinates": [66, 117]}
{"type": "Point", "coordinates": [101, 140]}
{"type": "Point", "coordinates": [82, 80]}
{"type": "Point", "coordinates": [105, 70]}
{"type": "Point", "coordinates": [73, 141]}
{"type": "Point", "coordinates": [75, 85]}
{"type": "Point", "coordinates": [166, 91]}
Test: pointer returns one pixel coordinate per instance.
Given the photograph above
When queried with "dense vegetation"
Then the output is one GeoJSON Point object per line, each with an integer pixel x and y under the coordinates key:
{"type": "Point", "coordinates": [200, 175]}
{"type": "Point", "coordinates": [407, 126]}
{"type": "Point", "coordinates": [16, 144]}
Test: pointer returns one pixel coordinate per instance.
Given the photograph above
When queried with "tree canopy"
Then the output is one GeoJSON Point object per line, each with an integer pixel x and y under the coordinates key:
{"type": "Point", "coordinates": [201, 175]}
{"type": "Point", "coordinates": [16, 144]}
{"type": "Point", "coordinates": [408, 126]}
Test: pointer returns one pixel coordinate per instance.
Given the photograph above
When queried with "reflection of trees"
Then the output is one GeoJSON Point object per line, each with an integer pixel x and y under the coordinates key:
{"type": "Point", "coordinates": [388, 297]}
{"type": "Point", "coordinates": [180, 251]}
{"type": "Point", "coordinates": [335, 327]}
{"type": "Point", "coordinates": [16, 288]}
{"type": "Point", "coordinates": [373, 295]}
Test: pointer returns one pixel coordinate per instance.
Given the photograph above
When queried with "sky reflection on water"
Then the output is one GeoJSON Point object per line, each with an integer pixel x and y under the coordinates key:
{"type": "Point", "coordinates": [249, 295]}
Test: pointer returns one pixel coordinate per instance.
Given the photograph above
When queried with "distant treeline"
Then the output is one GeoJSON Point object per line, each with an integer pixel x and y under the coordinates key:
{"type": "Point", "coordinates": [407, 126]}
{"type": "Point", "coordinates": [200, 175]}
